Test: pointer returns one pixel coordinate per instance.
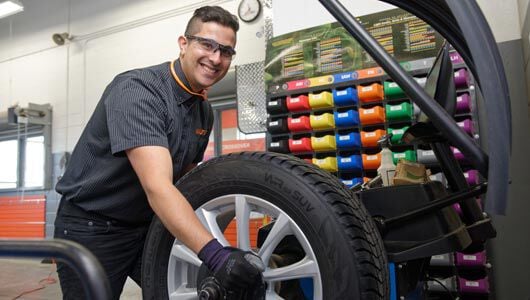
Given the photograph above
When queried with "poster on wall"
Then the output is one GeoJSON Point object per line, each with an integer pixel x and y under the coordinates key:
{"type": "Point", "coordinates": [330, 49]}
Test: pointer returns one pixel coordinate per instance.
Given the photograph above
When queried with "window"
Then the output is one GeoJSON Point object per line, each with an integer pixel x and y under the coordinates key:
{"type": "Point", "coordinates": [226, 137]}
{"type": "Point", "coordinates": [22, 162]}
{"type": "Point", "coordinates": [234, 140]}
{"type": "Point", "coordinates": [25, 148]}
{"type": "Point", "coordinates": [34, 162]}
{"type": "Point", "coordinates": [9, 164]}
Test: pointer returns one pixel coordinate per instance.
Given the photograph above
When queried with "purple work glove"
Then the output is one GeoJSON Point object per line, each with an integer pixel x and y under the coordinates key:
{"type": "Point", "coordinates": [232, 267]}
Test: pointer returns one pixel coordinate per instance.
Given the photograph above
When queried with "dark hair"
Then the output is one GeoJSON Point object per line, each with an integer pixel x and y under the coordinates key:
{"type": "Point", "coordinates": [211, 14]}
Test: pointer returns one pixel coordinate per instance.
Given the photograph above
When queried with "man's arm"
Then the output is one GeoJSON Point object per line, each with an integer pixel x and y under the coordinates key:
{"type": "Point", "coordinates": [154, 168]}
{"type": "Point", "coordinates": [233, 268]}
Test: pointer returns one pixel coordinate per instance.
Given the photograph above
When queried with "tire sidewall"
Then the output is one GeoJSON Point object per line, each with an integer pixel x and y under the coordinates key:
{"type": "Point", "coordinates": [298, 197]}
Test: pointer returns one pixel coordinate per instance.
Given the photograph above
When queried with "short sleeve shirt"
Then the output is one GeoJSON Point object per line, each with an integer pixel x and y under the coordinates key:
{"type": "Point", "coordinates": [142, 107]}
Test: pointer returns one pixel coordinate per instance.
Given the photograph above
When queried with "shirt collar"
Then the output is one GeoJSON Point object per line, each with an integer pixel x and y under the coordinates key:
{"type": "Point", "coordinates": [183, 96]}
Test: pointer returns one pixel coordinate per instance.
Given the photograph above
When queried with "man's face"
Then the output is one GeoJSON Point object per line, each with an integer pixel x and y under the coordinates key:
{"type": "Point", "coordinates": [202, 66]}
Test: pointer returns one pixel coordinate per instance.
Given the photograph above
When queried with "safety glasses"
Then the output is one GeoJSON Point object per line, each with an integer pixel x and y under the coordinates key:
{"type": "Point", "coordinates": [211, 46]}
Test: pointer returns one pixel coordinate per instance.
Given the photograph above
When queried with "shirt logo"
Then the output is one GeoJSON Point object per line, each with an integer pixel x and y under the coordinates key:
{"type": "Point", "coordinates": [201, 132]}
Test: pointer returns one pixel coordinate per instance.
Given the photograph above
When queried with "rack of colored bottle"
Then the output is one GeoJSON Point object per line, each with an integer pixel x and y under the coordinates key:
{"type": "Point", "coordinates": [327, 163]}
{"type": "Point", "coordinates": [409, 155]}
{"type": "Point", "coordinates": [403, 111]}
{"type": "Point", "coordinates": [352, 182]}
{"type": "Point", "coordinates": [346, 118]}
{"type": "Point", "coordinates": [370, 93]}
{"type": "Point", "coordinates": [324, 143]}
{"type": "Point", "coordinates": [472, 176]}
{"type": "Point", "coordinates": [463, 103]}
{"type": "Point", "coordinates": [397, 134]}
{"type": "Point", "coordinates": [350, 163]}
{"type": "Point", "coordinates": [461, 285]}
{"type": "Point", "coordinates": [345, 97]}
{"type": "Point", "coordinates": [321, 100]}
{"type": "Point", "coordinates": [461, 78]}
{"type": "Point", "coordinates": [348, 141]}
{"type": "Point", "coordinates": [477, 259]}
{"type": "Point", "coordinates": [466, 125]}
{"type": "Point", "coordinates": [372, 115]}
{"type": "Point", "coordinates": [393, 90]}
{"type": "Point", "coordinates": [370, 138]}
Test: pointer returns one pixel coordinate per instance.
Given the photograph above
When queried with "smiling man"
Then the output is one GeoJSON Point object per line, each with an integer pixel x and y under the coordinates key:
{"type": "Point", "coordinates": [150, 127]}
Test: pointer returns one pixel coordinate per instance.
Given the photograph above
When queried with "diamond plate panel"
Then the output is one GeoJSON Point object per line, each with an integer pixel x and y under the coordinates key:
{"type": "Point", "coordinates": [251, 97]}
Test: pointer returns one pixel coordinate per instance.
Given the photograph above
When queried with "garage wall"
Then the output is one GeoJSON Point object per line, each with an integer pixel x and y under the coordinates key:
{"type": "Point", "coordinates": [110, 36]}
{"type": "Point", "coordinates": [509, 251]}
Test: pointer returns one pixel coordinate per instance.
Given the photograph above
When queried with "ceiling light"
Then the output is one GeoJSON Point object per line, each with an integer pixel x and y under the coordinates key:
{"type": "Point", "coordinates": [10, 7]}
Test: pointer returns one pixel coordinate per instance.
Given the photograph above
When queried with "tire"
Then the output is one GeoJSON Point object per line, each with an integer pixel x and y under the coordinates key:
{"type": "Point", "coordinates": [344, 256]}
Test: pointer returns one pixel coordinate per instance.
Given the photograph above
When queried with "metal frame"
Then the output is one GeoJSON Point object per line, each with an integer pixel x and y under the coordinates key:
{"type": "Point", "coordinates": [464, 26]}
{"type": "Point", "coordinates": [83, 262]}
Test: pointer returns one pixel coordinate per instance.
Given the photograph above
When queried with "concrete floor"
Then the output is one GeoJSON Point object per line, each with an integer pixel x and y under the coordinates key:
{"type": "Point", "coordinates": [20, 275]}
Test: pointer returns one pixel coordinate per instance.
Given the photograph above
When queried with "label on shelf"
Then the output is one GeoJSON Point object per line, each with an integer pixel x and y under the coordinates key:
{"type": "Point", "coordinates": [273, 102]}
{"type": "Point", "coordinates": [322, 80]}
{"type": "Point", "coordinates": [342, 93]}
{"type": "Point", "coordinates": [370, 72]}
{"type": "Point", "coordinates": [344, 138]}
{"type": "Point", "coordinates": [470, 257]}
{"type": "Point", "coordinates": [297, 84]}
{"type": "Point", "coordinates": [273, 123]}
{"type": "Point", "coordinates": [367, 88]}
{"type": "Point", "coordinates": [368, 111]}
{"type": "Point", "coordinates": [343, 77]}
{"type": "Point", "coordinates": [472, 283]}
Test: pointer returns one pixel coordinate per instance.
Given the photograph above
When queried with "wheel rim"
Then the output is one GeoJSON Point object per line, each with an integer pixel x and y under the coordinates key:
{"type": "Point", "coordinates": [183, 264]}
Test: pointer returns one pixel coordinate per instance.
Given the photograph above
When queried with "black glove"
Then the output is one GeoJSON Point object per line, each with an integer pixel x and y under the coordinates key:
{"type": "Point", "coordinates": [232, 267]}
{"type": "Point", "coordinates": [241, 270]}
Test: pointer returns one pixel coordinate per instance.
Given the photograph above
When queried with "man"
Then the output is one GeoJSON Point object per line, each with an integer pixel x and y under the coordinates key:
{"type": "Point", "coordinates": [150, 127]}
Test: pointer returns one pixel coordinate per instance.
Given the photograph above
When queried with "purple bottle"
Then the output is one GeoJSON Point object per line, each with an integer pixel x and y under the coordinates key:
{"type": "Point", "coordinates": [461, 78]}
{"type": "Point", "coordinates": [480, 286]}
{"type": "Point", "coordinates": [463, 103]}
{"type": "Point", "coordinates": [467, 125]}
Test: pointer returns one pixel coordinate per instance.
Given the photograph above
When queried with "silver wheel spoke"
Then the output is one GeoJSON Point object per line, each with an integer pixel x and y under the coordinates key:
{"type": "Point", "coordinates": [270, 294]}
{"type": "Point", "coordinates": [216, 213]}
{"type": "Point", "coordinates": [301, 269]}
{"type": "Point", "coordinates": [280, 229]}
{"type": "Point", "coordinates": [187, 294]}
{"type": "Point", "coordinates": [209, 220]}
{"type": "Point", "coordinates": [242, 219]}
{"type": "Point", "coordinates": [183, 253]}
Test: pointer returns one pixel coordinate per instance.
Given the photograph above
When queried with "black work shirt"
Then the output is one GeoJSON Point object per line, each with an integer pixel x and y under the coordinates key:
{"type": "Point", "coordinates": [138, 108]}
